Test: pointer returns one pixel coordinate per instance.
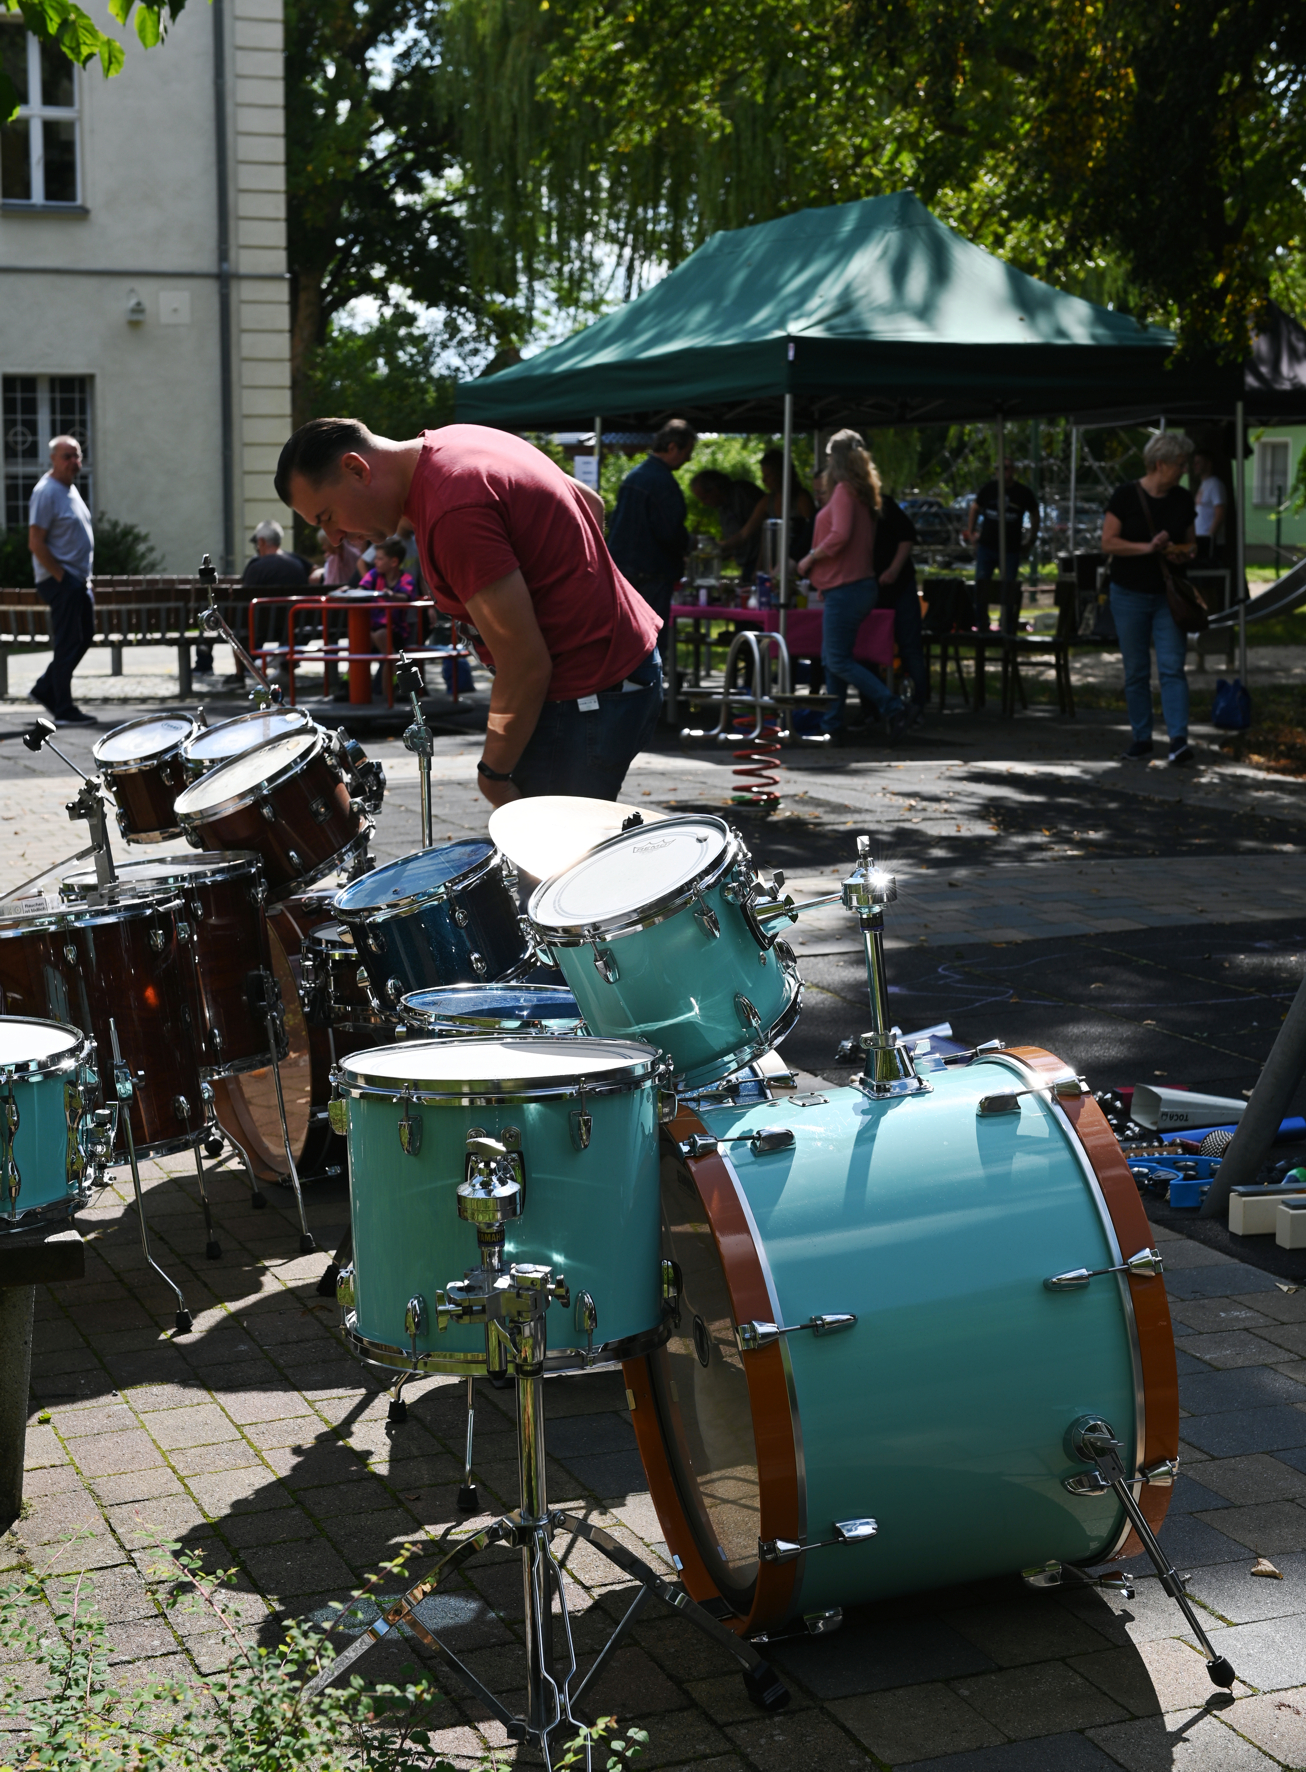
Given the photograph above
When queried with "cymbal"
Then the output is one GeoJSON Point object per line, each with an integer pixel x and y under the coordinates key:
{"type": "Point", "coordinates": [550, 833]}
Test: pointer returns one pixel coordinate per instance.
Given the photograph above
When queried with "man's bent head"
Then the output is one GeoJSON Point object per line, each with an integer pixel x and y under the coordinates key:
{"type": "Point", "coordinates": [327, 472]}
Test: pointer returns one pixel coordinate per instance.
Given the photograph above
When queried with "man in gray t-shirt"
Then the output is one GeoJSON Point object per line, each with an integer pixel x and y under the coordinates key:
{"type": "Point", "coordinates": [63, 551]}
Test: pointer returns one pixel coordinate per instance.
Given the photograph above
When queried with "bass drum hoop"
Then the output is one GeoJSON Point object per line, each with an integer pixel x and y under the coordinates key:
{"type": "Point", "coordinates": [773, 1402]}
{"type": "Point", "coordinates": [607, 1357]}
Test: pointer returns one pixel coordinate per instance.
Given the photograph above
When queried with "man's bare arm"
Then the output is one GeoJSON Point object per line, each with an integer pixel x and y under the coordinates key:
{"type": "Point", "coordinates": [598, 510]}
{"type": "Point", "coordinates": [36, 545]}
{"type": "Point", "coordinates": [505, 619]}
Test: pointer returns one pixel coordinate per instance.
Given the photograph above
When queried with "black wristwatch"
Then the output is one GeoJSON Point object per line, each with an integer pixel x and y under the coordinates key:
{"type": "Point", "coordinates": [483, 768]}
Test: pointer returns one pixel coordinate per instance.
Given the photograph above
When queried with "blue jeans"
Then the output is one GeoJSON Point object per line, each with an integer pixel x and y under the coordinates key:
{"type": "Point", "coordinates": [587, 752]}
{"type": "Point", "coordinates": [987, 561]}
{"type": "Point", "coordinates": [72, 626]}
{"type": "Point", "coordinates": [845, 609]}
{"type": "Point", "coordinates": [1143, 622]}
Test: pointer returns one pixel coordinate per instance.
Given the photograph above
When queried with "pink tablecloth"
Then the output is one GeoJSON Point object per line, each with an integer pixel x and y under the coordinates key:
{"type": "Point", "coordinates": [874, 641]}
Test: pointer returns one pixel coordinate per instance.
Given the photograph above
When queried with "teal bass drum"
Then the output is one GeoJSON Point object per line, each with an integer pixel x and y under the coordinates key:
{"type": "Point", "coordinates": [48, 1085]}
{"type": "Point", "coordinates": [584, 1116]}
{"type": "Point", "coordinates": [941, 1413]}
{"type": "Point", "coordinates": [663, 935]}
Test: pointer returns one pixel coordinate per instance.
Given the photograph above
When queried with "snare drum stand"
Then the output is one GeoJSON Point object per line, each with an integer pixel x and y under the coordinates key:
{"type": "Point", "coordinates": [511, 1305]}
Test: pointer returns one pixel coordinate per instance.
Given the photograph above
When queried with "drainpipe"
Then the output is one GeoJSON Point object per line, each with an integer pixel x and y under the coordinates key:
{"type": "Point", "coordinates": [224, 284]}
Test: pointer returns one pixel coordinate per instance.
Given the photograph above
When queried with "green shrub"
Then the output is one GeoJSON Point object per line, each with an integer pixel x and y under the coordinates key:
{"type": "Point", "coordinates": [15, 561]}
{"type": "Point", "coordinates": [123, 549]}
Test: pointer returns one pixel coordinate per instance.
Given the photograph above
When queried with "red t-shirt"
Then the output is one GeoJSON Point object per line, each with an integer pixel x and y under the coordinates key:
{"type": "Point", "coordinates": [484, 504]}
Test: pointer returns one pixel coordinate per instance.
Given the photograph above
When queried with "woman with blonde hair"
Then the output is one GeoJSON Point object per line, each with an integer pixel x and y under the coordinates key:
{"type": "Point", "coordinates": [841, 568]}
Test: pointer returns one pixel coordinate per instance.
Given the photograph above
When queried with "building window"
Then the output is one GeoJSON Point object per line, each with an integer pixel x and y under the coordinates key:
{"type": "Point", "coordinates": [36, 408]}
{"type": "Point", "coordinates": [1272, 482]}
{"type": "Point", "coordinates": [38, 149]}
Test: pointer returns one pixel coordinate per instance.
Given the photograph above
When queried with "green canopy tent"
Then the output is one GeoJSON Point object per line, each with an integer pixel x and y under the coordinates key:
{"type": "Point", "coordinates": [870, 313]}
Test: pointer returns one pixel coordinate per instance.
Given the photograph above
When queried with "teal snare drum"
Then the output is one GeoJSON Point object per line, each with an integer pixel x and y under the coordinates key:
{"type": "Point", "coordinates": [941, 1411]}
{"type": "Point", "coordinates": [48, 1085]}
{"type": "Point", "coordinates": [471, 1011]}
{"type": "Point", "coordinates": [659, 933]}
{"type": "Point", "coordinates": [580, 1119]}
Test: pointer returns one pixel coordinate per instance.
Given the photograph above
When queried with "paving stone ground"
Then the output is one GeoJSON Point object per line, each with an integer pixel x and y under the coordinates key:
{"type": "Point", "coordinates": [259, 1443]}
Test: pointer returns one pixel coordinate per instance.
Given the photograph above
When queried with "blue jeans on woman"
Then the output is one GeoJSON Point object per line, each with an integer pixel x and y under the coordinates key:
{"type": "Point", "coordinates": [845, 609]}
{"type": "Point", "coordinates": [1143, 622]}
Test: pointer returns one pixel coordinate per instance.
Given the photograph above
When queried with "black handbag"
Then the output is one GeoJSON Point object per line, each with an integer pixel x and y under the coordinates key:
{"type": "Point", "coordinates": [1185, 601]}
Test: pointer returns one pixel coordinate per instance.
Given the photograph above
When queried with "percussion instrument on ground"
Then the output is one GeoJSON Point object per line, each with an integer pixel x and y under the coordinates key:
{"type": "Point", "coordinates": [224, 946]}
{"type": "Point", "coordinates": [49, 1089]}
{"type": "Point", "coordinates": [664, 935]}
{"type": "Point", "coordinates": [468, 1011]}
{"type": "Point", "coordinates": [899, 1251]}
{"type": "Point", "coordinates": [287, 801]}
{"type": "Point", "coordinates": [142, 765]}
{"type": "Point", "coordinates": [232, 738]}
{"type": "Point", "coordinates": [439, 916]}
{"type": "Point", "coordinates": [88, 964]}
{"type": "Point", "coordinates": [549, 833]}
{"type": "Point", "coordinates": [549, 1143]}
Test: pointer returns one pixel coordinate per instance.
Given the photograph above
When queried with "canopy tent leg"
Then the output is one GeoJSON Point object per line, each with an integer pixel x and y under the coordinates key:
{"type": "Point", "coordinates": [598, 454]}
{"type": "Point", "coordinates": [1002, 523]}
{"type": "Point", "coordinates": [1240, 535]}
{"type": "Point", "coordinates": [785, 503]}
{"type": "Point", "coordinates": [1074, 487]}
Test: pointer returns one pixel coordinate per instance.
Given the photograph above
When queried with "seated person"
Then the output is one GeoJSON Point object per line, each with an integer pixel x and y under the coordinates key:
{"type": "Point", "coordinates": [734, 501]}
{"type": "Point", "coordinates": [271, 572]}
{"type": "Point", "coordinates": [390, 580]}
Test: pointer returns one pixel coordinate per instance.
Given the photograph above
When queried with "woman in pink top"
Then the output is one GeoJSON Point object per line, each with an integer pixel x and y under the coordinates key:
{"type": "Point", "coordinates": [840, 567]}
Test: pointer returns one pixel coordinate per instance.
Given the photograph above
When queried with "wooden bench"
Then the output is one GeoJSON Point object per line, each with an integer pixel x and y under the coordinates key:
{"type": "Point", "coordinates": [154, 611]}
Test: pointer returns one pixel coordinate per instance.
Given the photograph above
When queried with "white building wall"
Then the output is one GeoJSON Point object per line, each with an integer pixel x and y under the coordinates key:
{"type": "Point", "coordinates": [148, 225]}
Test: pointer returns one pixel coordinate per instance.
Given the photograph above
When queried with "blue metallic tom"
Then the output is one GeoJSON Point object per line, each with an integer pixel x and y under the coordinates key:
{"type": "Point", "coordinates": [869, 1386]}
{"type": "Point", "coordinates": [665, 935]}
{"type": "Point", "coordinates": [469, 1011]}
{"type": "Point", "coordinates": [48, 1087]}
{"type": "Point", "coordinates": [439, 916]}
{"type": "Point", "coordinates": [573, 1184]}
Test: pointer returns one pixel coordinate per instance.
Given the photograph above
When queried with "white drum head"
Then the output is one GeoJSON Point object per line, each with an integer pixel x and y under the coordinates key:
{"type": "Point", "coordinates": [239, 778]}
{"type": "Point", "coordinates": [548, 834]}
{"type": "Point", "coordinates": [631, 873]}
{"type": "Point", "coordinates": [139, 740]}
{"type": "Point", "coordinates": [536, 1061]}
{"type": "Point", "coordinates": [24, 1042]}
{"type": "Point", "coordinates": [231, 737]}
{"type": "Point", "coordinates": [162, 876]}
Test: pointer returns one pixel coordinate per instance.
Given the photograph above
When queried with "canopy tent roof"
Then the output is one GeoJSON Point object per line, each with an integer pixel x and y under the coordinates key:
{"type": "Point", "coordinates": [869, 313]}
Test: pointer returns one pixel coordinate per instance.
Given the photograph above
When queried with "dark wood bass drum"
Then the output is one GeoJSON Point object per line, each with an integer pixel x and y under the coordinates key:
{"type": "Point", "coordinates": [288, 802]}
{"type": "Point", "coordinates": [88, 964]}
{"type": "Point", "coordinates": [144, 770]}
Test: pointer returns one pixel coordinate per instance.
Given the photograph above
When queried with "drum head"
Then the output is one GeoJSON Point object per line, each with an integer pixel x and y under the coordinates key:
{"type": "Point", "coordinates": [140, 740]}
{"type": "Point", "coordinates": [544, 836]}
{"type": "Point", "coordinates": [539, 1064]}
{"type": "Point", "coordinates": [231, 737]}
{"type": "Point", "coordinates": [237, 781]}
{"type": "Point", "coordinates": [483, 1008]}
{"type": "Point", "coordinates": [634, 874]}
{"type": "Point", "coordinates": [333, 940]}
{"type": "Point", "coordinates": [413, 878]}
{"type": "Point", "coordinates": [166, 875]}
{"type": "Point", "coordinates": [31, 1045]}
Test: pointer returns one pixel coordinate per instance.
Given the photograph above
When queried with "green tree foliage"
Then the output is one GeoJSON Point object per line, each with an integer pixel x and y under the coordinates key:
{"type": "Point", "coordinates": [1144, 151]}
{"type": "Point", "coordinates": [394, 375]}
{"type": "Point", "coordinates": [81, 39]}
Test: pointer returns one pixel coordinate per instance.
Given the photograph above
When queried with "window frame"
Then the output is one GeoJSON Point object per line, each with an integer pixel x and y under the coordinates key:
{"type": "Point", "coordinates": [39, 114]}
{"type": "Point", "coordinates": [1262, 490]}
{"type": "Point", "coordinates": [45, 425]}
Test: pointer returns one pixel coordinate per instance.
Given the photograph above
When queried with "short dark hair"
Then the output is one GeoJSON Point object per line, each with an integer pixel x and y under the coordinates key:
{"type": "Point", "coordinates": [713, 478]}
{"type": "Point", "coordinates": [676, 433]}
{"type": "Point", "coordinates": [315, 449]}
{"type": "Point", "coordinates": [395, 546]}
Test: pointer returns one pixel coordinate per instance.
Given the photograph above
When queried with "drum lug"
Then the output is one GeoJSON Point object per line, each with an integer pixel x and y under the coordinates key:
{"type": "Point", "coordinates": [705, 916]}
{"type": "Point", "coordinates": [605, 964]}
{"type": "Point", "coordinates": [1145, 1263]}
{"type": "Point", "coordinates": [582, 1127]}
{"type": "Point", "coordinates": [1088, 1483]}
{"type": "Point", "coordinates": [410, 1130]}
{"type": "Point", "coordinates": [183, 932]}
{"type": "Point", "coordinates": [157, 940]}
{"type": "Point", "coordinates": [785, 1550]}
{"type": "Point", "coordinates": [293, 857]}
{"type": "Point", "coordinates": [587, 1318]}
{"type": "Point", "coordinates": [394, 989]}
{"type": "Point", "coordinates": [460, 916]}
{"type": "Point", "coordinates": [345, 1288]}
{"type": "Point", "coordinates": [672, 1285]}
{"type": "Point", "coordinates": [478, 964]}
{"type": "Point", "coordinates": [415, 1321]}
{"type": "Point", "coordinates": [268, 810]}
{"type": "Point", "coordinates": [1064, 1088]}
{"type": "Point", "coordinates": [337, 1116]}
{"type": "Point", "coordinates": [747, 1013]}
{"type": "Point", "coordinates": [749, 1337]}
{"type": "Point", "coordinates": [70, 953]}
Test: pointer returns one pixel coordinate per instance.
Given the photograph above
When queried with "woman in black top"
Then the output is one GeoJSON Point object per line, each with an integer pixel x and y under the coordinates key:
{"type": "Point", "coordinates": [1146, 519]}
{"type": "Point", "coordinates": [895, 536]}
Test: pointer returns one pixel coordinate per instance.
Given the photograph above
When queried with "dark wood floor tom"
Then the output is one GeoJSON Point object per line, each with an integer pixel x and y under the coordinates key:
{"type": "Point", "coordinates": [224, 944]}
{"type": "Point", "coordinates": [143, 768]}
{"type": "Point", "coordinates": [334, 986]}
{"type": "Point", "coordinates": [86, 965]}
{"type": "Point", "coordinates": [287, 801]}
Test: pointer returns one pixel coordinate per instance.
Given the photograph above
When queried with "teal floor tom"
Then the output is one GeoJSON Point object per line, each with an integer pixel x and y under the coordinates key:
{"type": "Point", "coordinates": [48, 1090]}
{"type": "Point", "coordinates": [660, 935]}
{"type": "Point", "coordinates": [580, 1118]}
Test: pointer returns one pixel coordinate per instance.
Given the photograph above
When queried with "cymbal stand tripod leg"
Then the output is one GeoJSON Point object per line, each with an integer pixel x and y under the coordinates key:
{"type": "Point", "coordinates": [212, 1247]}
{"type": "Point", "coordinates": [125, 1088]}
{"type": "Point", "coordinates": [468, 1498]}
{"type": "Point", "coordinates": [306, 1242]}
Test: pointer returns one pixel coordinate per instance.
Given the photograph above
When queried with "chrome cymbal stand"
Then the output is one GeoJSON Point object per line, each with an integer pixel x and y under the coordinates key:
{"type": "Point", "coordinates": [889, 1068]}
{"type": "Point", "coordinates": [418, 737]}
{"type": "Point", "coordinates": [124, 1088]}
{"type": "Point", "coordinates": [263, 694]}
{"type": "Point", "coordinates": [511, 1305]}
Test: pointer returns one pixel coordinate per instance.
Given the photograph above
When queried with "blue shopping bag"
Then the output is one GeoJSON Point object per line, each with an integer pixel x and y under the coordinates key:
{"type": "Point", "coordinates": [1231, 709]}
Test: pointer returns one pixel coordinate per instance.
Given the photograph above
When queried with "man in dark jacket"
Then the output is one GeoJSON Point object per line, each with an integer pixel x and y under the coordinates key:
{"type": "Point", "coordinates": [646, 534]}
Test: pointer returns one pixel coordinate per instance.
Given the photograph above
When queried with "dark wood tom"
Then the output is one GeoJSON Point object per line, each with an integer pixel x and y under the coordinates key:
{"type": "Point", "coordinates": [334, 987]}
{"type": "Point", "coordinates": [143, 768]}
{"type": "Point", "coordinates": [224, 945]}
{"type": "Point", "coordinates": [287, 801]}
{"type": "Point", "coordinates": [232, 738]}
{"type": "Point", "coordinates": [86, 965]}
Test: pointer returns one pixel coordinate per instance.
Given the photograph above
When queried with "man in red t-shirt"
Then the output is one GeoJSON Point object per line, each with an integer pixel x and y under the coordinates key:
{"type": "Point", "coordinates": [511, 544]}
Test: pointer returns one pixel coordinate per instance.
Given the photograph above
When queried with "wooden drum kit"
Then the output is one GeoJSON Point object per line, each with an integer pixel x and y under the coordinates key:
{"type": "Point", "coordinates": [571, 1146]}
